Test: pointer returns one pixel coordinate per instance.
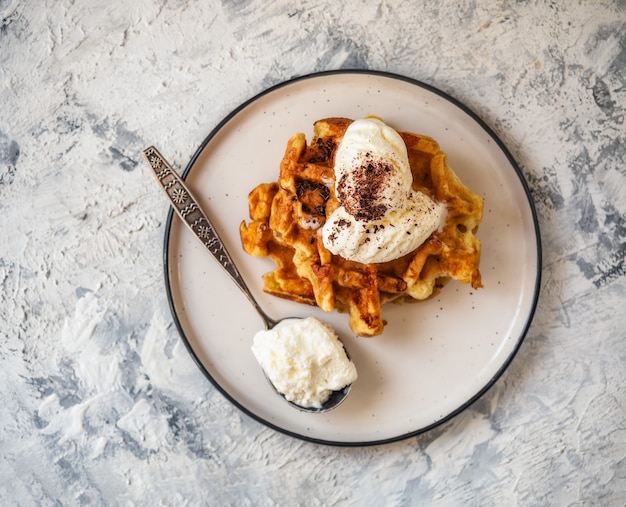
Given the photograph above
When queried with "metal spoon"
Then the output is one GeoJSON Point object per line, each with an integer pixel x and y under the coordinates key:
{"type": "Point", "coordinates": [186, 206]}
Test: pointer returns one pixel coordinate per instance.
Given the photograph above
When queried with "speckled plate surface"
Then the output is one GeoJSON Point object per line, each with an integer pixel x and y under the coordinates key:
{"type": "Point", "coordinates": [436, 357]}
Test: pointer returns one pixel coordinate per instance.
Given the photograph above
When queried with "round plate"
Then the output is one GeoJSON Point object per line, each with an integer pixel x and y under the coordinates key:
{"type": "Point", "coordinates": [434, 357]}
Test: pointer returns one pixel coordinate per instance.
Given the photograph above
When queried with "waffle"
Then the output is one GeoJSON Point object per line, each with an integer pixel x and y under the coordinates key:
{"type": "Point", "coordinates": [287, 215]}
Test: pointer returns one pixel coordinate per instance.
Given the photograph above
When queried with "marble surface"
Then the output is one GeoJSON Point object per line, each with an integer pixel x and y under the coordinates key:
{"type": "Point", "coordinates": [101, 403]}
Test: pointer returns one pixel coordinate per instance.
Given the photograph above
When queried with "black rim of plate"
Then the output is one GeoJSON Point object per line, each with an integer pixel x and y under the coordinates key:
{"type": "Point", "coordinates": [531, 203]}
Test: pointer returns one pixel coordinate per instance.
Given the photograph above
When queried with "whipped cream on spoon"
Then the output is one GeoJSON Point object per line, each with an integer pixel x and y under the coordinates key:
{"type": "Point", "coordinates": [299, 360]}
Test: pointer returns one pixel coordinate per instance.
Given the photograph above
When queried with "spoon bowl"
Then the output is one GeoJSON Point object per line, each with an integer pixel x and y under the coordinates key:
{"type": "Point", "coordinates": [187, 208]}
{"type": "Point", "coordinates": [336, 398]}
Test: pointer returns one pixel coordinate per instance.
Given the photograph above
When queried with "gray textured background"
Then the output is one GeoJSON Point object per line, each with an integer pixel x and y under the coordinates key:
{"type": "Point", "coordinates": [101, 403]}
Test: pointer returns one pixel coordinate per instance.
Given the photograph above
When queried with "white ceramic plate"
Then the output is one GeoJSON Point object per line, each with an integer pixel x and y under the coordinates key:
{"type": "Point", "coordinates": [435, 357]}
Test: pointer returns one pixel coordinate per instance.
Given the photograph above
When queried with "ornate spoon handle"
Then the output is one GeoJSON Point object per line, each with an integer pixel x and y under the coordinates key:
{"type": "Point", "coordinates": [188, 209]}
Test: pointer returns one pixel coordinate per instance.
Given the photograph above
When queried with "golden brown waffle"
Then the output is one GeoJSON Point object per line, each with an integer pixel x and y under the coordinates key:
{"type": "Point", "coordinates": [286, 226]}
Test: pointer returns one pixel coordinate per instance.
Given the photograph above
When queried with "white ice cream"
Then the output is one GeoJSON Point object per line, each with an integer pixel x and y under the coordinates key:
{"type": "Point", "coordinates": [381, 217]}
{"type": "Point", "coordinates": [304, 360]}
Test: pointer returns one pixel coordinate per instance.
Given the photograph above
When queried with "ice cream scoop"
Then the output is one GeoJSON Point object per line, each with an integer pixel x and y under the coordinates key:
{"type": "Point", "coordinates": [380, 217]}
